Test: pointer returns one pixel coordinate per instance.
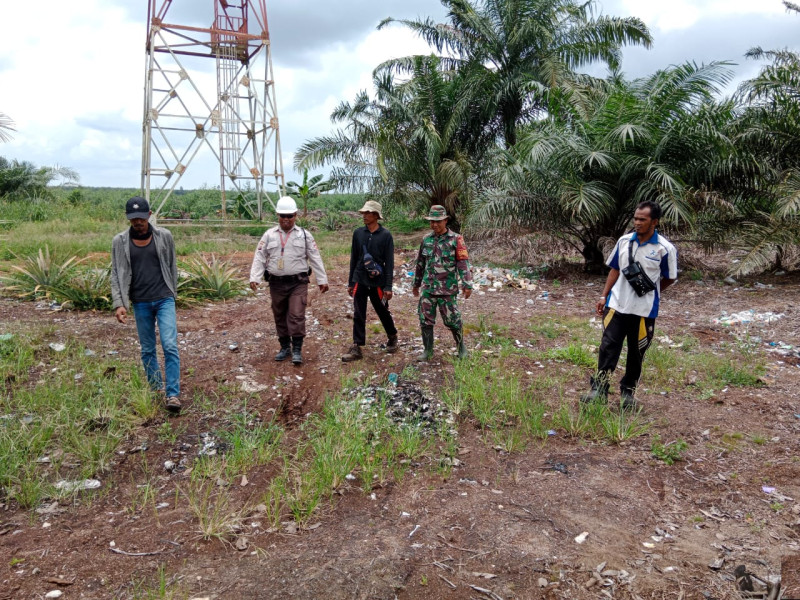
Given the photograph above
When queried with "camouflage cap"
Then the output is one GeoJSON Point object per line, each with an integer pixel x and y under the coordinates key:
{"type": "Point", "coordinates": [437, 213]}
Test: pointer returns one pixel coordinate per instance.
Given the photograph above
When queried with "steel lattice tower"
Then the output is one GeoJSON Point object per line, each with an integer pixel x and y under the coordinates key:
{"type": "Point", "coordinates": [184, 111]}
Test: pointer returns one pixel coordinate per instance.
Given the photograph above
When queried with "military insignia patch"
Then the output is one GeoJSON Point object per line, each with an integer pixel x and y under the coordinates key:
{"type": "Point", "coordinates": [461, 249]}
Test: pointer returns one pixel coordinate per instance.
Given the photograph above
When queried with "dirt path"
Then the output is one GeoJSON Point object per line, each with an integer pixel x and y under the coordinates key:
{"type": "Point", "coordinates": [503, 523]}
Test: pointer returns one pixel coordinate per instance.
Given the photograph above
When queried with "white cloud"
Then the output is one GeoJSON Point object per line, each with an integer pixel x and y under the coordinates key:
{"type": "Point", "coordinates": [670, 15]}
{"type": "Point", "coordinates": [74, 82]}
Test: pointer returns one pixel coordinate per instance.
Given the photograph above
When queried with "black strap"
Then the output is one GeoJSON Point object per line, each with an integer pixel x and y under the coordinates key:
{"type": "Point", "coordinates": [630, 251]}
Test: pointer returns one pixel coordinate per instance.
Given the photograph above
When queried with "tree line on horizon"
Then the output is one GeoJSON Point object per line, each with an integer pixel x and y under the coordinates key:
{"type": "Point", "coordinates": [499, 125]}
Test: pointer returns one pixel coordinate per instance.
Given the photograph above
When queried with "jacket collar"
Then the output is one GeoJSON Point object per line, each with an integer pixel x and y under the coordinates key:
{"type": "Point", "coordinates": [653, 239]}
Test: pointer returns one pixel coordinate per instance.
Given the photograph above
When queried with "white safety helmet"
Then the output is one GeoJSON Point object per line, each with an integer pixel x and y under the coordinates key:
{"type": "Point", "coordinates": [286, 205]}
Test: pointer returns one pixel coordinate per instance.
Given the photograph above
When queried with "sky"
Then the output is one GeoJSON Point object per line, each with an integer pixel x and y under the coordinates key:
{"type": "Point", "coordinates": [72, 73]}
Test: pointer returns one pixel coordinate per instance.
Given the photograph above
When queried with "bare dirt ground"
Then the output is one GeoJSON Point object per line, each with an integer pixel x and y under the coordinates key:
{"type": "Point", "coordinates": [500, 525]}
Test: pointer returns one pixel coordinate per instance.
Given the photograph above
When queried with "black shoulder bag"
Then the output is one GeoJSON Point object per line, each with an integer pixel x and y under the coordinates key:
{"type": "Point", "coordinates": [636, 276]}
{"type": "Point", "coordinates": [371, 266]}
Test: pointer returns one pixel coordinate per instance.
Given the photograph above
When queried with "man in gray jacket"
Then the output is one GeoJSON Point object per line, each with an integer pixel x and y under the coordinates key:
{"type": "Point", "coordinates": [144, 274]}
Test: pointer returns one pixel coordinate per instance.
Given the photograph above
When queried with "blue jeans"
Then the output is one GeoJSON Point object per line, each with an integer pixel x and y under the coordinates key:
{"type": "Point", "coordinates": [147, 315]}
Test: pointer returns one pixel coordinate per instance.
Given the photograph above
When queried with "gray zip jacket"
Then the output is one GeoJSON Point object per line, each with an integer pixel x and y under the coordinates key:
{"type": "Point", "coordinates": [121, 265]}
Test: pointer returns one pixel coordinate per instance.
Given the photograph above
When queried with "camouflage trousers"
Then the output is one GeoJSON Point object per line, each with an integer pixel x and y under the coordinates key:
{"type": "Point", "coordinates": [448, 307]}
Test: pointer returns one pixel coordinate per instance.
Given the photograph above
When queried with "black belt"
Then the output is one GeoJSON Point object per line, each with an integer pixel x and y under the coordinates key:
{"type": "Point", "coordinates": [286, 277]}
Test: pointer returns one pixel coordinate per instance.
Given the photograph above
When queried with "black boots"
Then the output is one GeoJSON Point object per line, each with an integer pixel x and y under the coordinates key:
{"type": "Point", "coordinates": [427, 343]}
{"type": "Point", "coordinates": [458, 336]}
{"type": "Point", "coordinates": [297, 347]}
{"type": "Point", "coordinates": [599, 391]}
{"type": "Point", "coordinates": [285, 349]}
{"type": "Point", "coordinates": [354, 353]}
{"type": "Point", "coordinates": [628, 401]}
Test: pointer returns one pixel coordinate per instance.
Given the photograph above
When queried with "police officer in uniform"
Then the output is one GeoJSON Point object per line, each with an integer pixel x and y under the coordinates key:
{"type": "Point", "coordinates": [442, 260]}
{"type": "Point", "coordinates": [283, 256]}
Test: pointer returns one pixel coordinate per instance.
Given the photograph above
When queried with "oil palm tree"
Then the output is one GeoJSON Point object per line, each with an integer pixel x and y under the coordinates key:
{"type": "Point", "coordinates": [769, 129]}
{"type": "Point", "coordinates": [407, 145]}
{"type": "Point", "coordinates": [580, 178]}
{"type": "Point", "coordinates": [22, 179]}
{"type": "Point", "coordinates": [6, 127]}
{"type": "Point", "coordinates": [515, 53]}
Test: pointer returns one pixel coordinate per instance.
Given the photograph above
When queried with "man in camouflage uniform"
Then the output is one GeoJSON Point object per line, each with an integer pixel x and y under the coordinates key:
{"type": "Point", "coordinates": [442, 260]}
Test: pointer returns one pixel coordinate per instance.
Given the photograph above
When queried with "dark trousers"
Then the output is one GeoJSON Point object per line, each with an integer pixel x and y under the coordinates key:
{"type": "Point", "coordinates": [289, 299]}
{"type": "Point", "coordinates": [617, 328]}
{"type": "Point", "coordinates": [375, 295]}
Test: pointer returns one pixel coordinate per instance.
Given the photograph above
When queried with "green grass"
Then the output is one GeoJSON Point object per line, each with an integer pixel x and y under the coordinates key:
{"type": "Point", "coordinates": [66, 416]}
{"type": "Point", "coordinates": [159, 587]}
{"type": "Point", "coordinates": [670, 452]}
{"type": "Point", "coordinates": [575, 354]}
{"type": "Point", "coordinates": [663, 367]}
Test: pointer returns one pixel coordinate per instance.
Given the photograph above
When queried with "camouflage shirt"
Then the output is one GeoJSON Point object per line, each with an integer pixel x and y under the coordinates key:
{"type": "Point", "coordinates": [441, 262]}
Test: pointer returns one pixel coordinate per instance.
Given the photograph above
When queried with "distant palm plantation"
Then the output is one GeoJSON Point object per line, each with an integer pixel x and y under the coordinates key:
{"type": "Point", "coordinates": [500, 125]}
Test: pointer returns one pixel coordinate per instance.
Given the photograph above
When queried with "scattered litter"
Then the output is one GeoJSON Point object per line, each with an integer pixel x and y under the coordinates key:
{"type": "Point", "coordinates": [88, 352]}
{"type": "Point", "coordinates": [579, 539]}
{"type": "Point", "coordinates": [405, 403]}
{"type": "Point", "coordinates": [746, 317]}
{"type": "Point", "coordinates": [716, 565]}
{"type": "Point", "coordinates": [4, 337]}
{"type": "Point", "coordinates": [556, 466]}
{"type": "Point", "coordinates": [551, 432]}
{"type": "Point", "coordinates": [82, 484]}
{"type": "Point", "coordinates": [211, 445]}
{"type": "Point", "coordinates": [413, 531]}
{"type": "Point", "coordinates": [392, 378]}
{"type": "Point", "coordinates": [251, 387]}
{"type": "Point", "coordinates": [234, 347]}
{"type": "Point", "coordinates": [140, 448]}
{"type": "Point", "coordinates": [495, 278]}
{"type": "Point", "coordinates": [169, 465]}
{"type": "Point", "coordinates": [767, 489]}
{"type": "Point", "coordinates": [56, 347]}
{"type": "Point", "coordinates": [54, 594]}
{"type": "Point", "coordinates": [49, 509]}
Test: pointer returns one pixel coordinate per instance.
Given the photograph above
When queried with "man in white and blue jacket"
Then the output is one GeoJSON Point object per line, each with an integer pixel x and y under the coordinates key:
{"type": "Point", "coordinates": [626, 314]}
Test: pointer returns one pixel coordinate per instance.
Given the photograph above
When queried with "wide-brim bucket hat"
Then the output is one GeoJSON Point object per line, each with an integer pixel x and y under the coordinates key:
{"type": "Point", "coordinates": [372, 206]}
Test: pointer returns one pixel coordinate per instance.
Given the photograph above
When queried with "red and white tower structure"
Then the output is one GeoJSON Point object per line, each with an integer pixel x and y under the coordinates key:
{"type": "Point", "coordinates": [187, 113]}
